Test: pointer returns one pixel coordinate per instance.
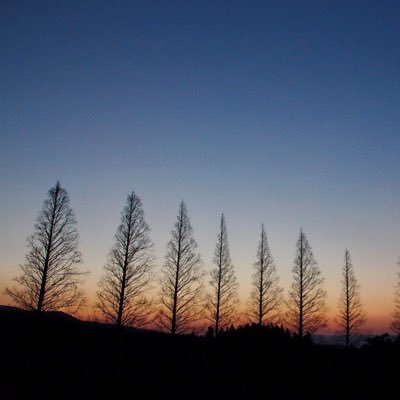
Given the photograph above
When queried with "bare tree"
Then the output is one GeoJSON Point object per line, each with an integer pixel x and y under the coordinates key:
{"type": "Point", "coordinates": [395, 326]}
{"type": "Point", "coordinates": [50, 280]}
{"type": "Point", "coordinates": [121, 298]}
{"type": "Point", "coordinates": [351, 314]}
{"type": "Point", "coordinates": [223, 299]}
{"type": "Point", "coordinates": [266, 296]}
{"type": "Point", "coordinates": [181, 281]}
{"type": "Point", "coordinates": [306, 305]}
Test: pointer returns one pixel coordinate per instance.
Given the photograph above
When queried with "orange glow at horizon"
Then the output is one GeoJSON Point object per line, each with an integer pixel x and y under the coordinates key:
{"type": "Point", "coordinates": [378, 306]}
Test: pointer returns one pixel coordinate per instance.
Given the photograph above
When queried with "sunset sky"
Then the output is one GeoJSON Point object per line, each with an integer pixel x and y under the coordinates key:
{"type": "Point", "coordinates": [285, 113]}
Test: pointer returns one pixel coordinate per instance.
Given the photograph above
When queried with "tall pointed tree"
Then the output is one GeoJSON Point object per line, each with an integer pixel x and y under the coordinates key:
{"type": "Point", "coordinates": [306, 305]}
{"type": "Point", "coordinates": [223, 299]}
{"type": "Point", "coordinates": [50, 279]}
{"type": "Point", "coordinates": [181, 281]}
{"type": "Point", "coordinates": [351, 314]}
{"type": "Point", "coordinates": [395, 326]}
{"type": "Point", "coordinates": [122, 296]}
{"type": "Point", "coordinates": [266, 296]}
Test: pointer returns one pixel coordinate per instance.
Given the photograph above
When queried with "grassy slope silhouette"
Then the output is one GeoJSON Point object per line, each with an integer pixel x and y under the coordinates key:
{"type": "Point", "coordinates": [56, 355]}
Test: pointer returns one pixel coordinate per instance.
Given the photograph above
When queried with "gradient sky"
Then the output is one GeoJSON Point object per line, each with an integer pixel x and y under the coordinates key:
{"type": "Point", "coordinates": [281, 112]}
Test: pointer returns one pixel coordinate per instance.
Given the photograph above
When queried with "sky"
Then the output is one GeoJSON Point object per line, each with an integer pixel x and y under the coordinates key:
{"type": "Point", "coordinates": [277, 112]}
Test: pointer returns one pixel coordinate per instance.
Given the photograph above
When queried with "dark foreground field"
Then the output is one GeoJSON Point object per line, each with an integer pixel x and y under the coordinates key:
{"type": "Point", "coordinates": [56, 356]}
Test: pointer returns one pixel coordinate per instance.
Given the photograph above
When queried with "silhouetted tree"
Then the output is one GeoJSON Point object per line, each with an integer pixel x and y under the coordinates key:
{"type": "Point", "coordinates": [50, 280]}
{"type": "Point", "coordinates": [223, 299]}
{"type": "Point", "coordinates": [351, 314]}
{"type": "Point", "coordinates": [395, 326]}
{"type": "Point", "coordinates": [181, 280]}
{"type": "Point", "coordinates": [121, 298]}
{"type": "Point", "coordinates": [306, 305]}
{"type": "Point", "coordinates": [266, 295]}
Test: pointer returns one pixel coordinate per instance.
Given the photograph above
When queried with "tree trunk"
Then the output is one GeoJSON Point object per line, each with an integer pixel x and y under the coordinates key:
{"type": "Point", "coordinates": [123, 285]}
{"type": "Point", "coordinates": [347, 306]}
{"type": "Point", "coordinates": [174, 307]}
{"type": "Point", "coordinates": [301, 287]}
{"type": "Point", "coordinates": [47, 259]}
{"type": "Point", "coordinates": [260, 305]}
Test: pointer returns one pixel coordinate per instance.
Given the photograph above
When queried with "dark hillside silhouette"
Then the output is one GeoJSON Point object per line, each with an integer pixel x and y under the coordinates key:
{"type": "Point", "coordinates": [60, 356]}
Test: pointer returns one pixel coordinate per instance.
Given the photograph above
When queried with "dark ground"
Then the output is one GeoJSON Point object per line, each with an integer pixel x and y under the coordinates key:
{"type": "Point", "coordinates": [56, 356]}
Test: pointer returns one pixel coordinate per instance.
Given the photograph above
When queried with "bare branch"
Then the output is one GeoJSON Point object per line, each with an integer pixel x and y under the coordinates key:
{"type": "Point", "coordinates": [395, 325]}
{"type": "Point", "coordinates": [181, 292]}
{"type": "Point", "coordinates": [264, 305]}
{"type": "Point", "coordinates": [306, 304]}
{"type": "Point", "coordinates": [121, 298]}
{"type": "Point", "coordinates": [223, 300]}
{"type": "Point", "coordinates": [50, 280]}
{"type": "Point", "coordinates": [351, 316]}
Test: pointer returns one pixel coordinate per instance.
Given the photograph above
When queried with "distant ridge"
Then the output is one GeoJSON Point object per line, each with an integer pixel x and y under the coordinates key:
{"type": "Point", "coordinates": [57, 315]}
{"type": "Point", "coordinates": [10, 314]}
{"type": "Point", "coordinates": [11, 309]}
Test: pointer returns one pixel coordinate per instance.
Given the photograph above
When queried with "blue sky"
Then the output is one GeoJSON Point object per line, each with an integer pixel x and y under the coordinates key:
{"type": "Point", "coordinates": [281, 112]}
